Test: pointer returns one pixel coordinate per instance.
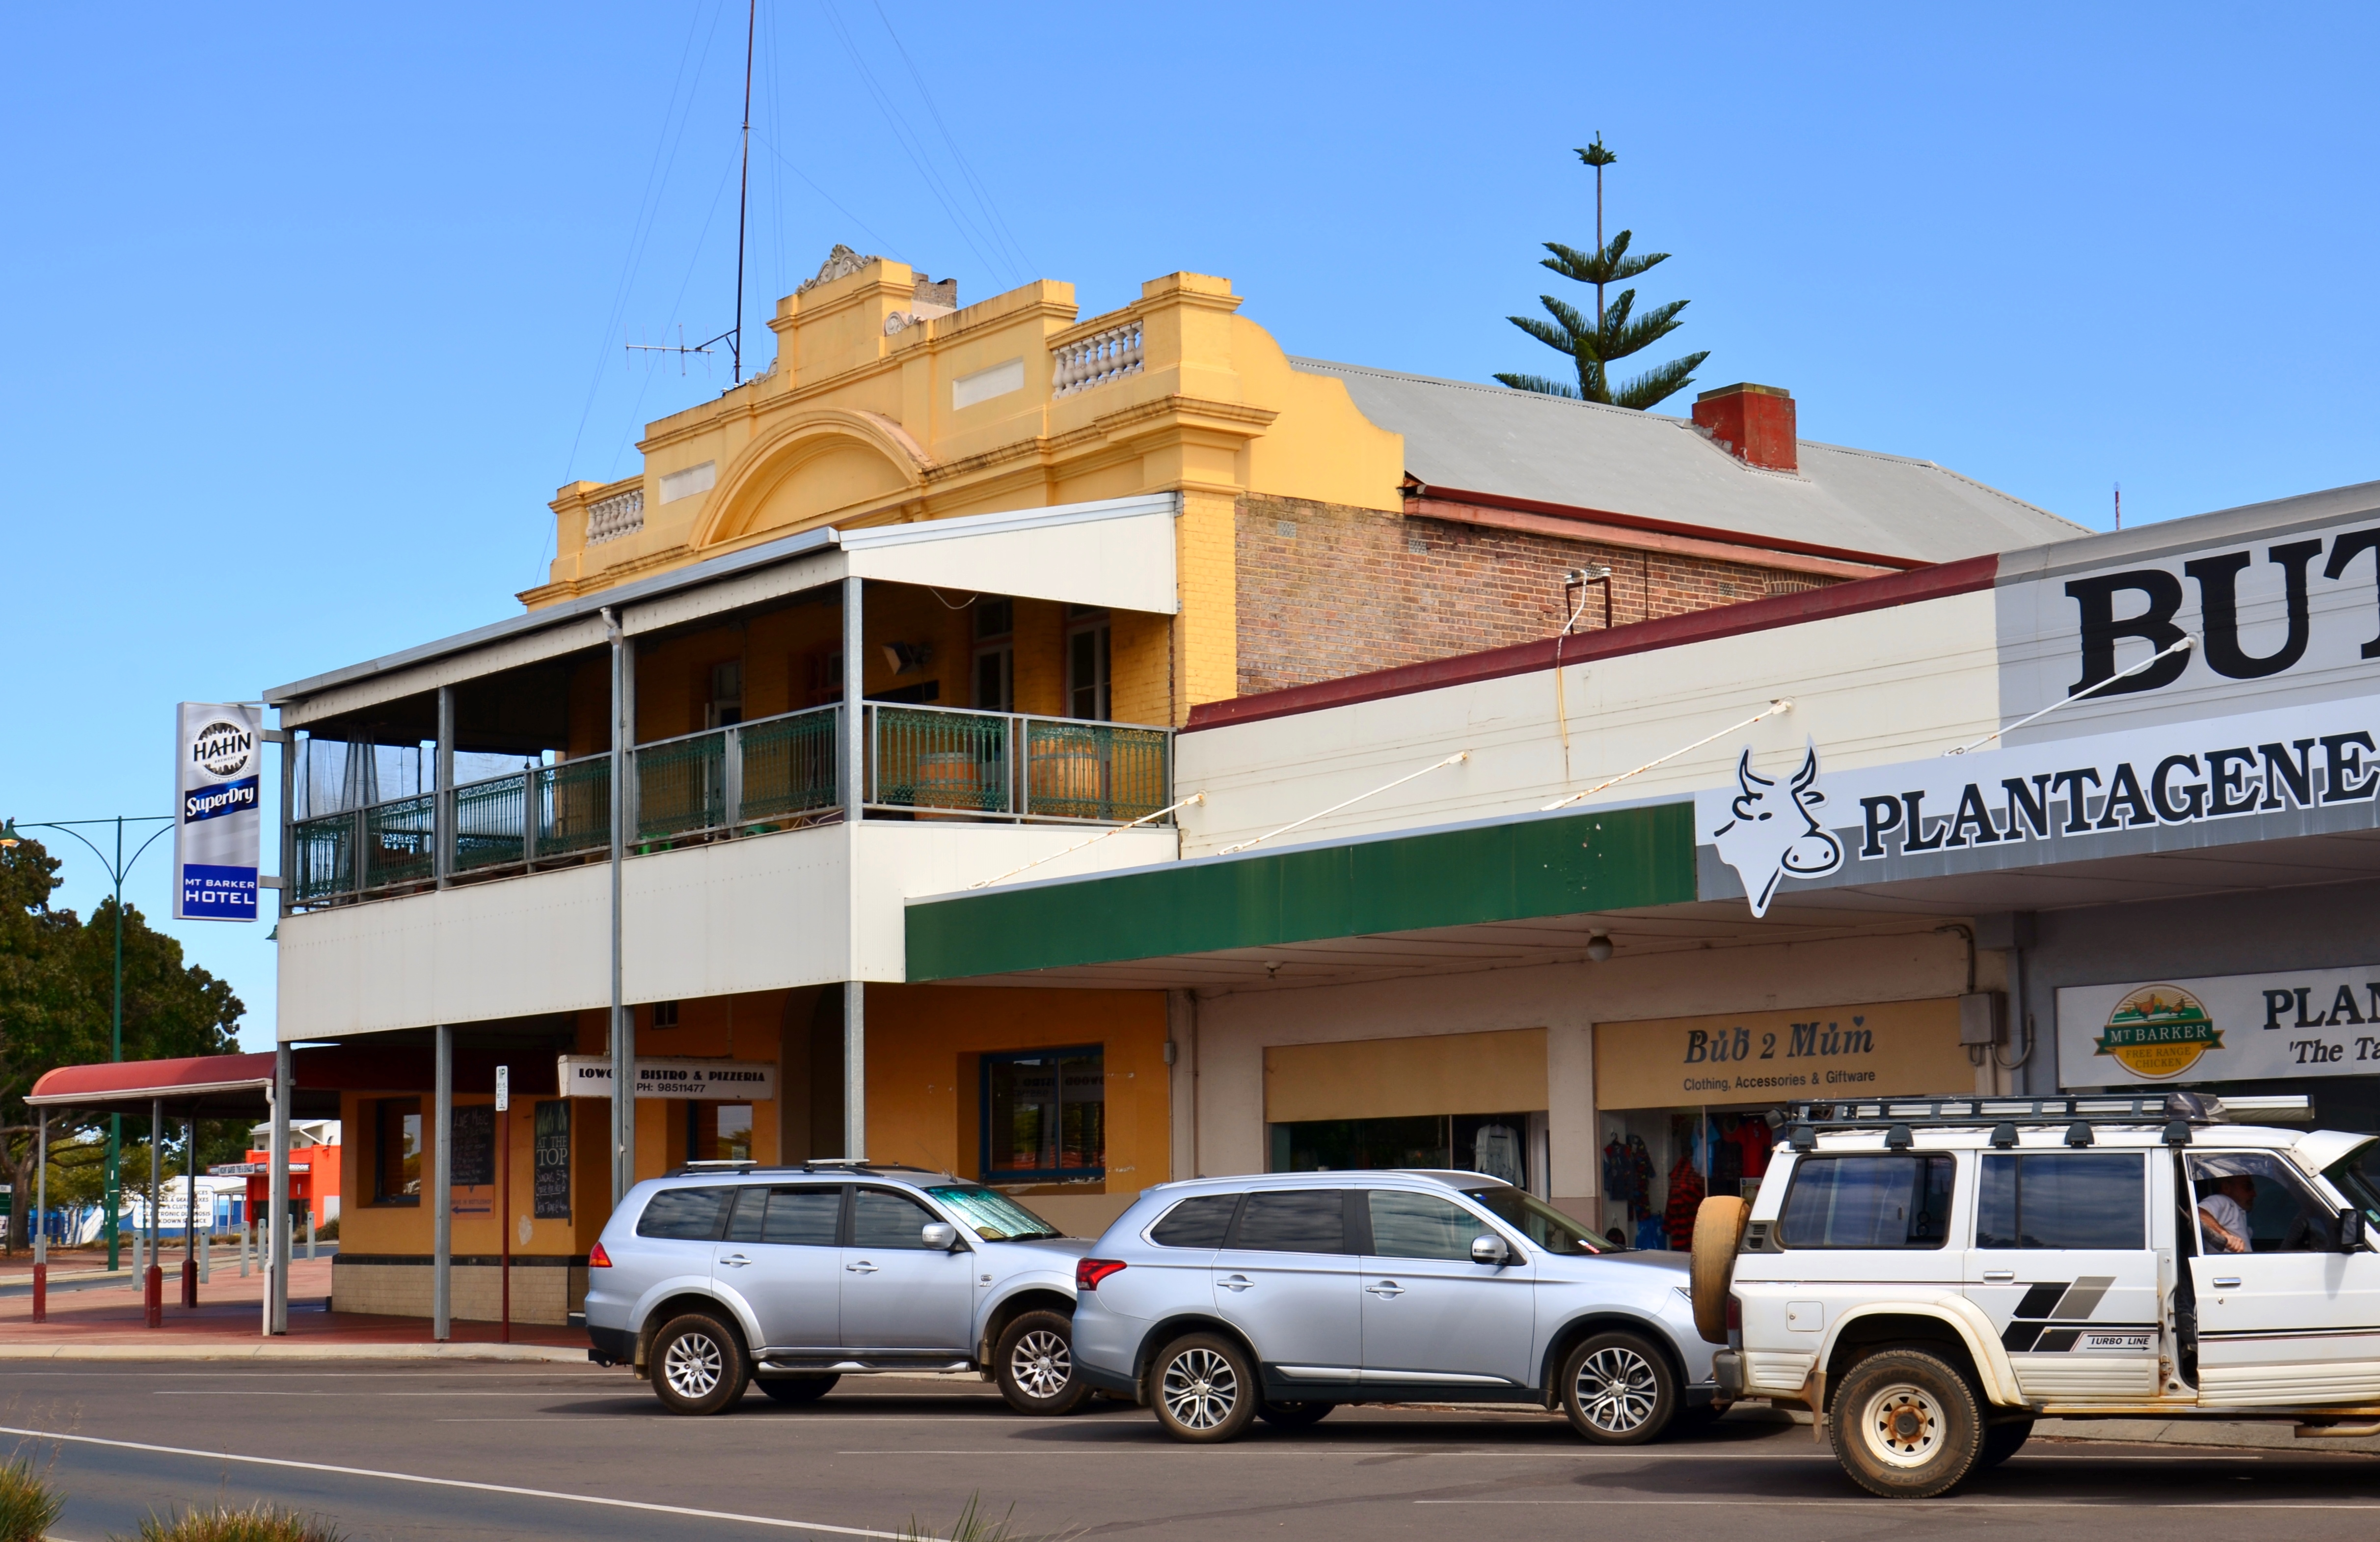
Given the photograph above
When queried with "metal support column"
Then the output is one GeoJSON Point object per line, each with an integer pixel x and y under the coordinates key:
{"type": "Point", "coordinates": [153, 1278]}
{"type": "Point", "coordinates": [442, 819]}
{"type": "Point", "coordinates": [276, 1202]}
{"type": "Point", "coordinates": [42, 1215]}
{"type": "Point", "coordinates": [442, 1173]}
{"type": "Point", "coordinates": [624, 1029]}
{"type": "Point", "coordinates": [190, 1211]}
{"type": "Point", "coordinates": [855, 992]}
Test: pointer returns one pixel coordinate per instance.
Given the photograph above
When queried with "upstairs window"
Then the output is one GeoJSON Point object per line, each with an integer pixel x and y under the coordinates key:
{"type": "Point", "coordinates": [1087, 695]}
{"type": "Point", "coordinates": [995, 654]}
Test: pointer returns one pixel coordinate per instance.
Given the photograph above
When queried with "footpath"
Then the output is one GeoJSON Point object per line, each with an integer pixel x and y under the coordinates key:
{"type": "Point", "coordinates": [99, 1321]}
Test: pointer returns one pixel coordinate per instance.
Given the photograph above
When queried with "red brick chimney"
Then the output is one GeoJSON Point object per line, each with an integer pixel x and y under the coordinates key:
{"type": "Point", "coordinates": [1755, 423]}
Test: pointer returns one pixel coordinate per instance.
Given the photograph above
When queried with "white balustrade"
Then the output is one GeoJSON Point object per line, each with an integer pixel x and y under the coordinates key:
{"type": "Point", "coordinates": [620, 514]}
{"type": "Point", "coordinates": [1098, 359]}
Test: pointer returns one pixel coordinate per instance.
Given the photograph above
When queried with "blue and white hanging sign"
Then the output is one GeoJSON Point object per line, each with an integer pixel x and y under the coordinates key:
{"type": "Point", "coordinates": [218, 821]}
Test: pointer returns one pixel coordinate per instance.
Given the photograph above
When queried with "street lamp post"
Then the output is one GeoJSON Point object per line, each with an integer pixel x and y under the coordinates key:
{"type": "Point", "coordinates": [115, 872]}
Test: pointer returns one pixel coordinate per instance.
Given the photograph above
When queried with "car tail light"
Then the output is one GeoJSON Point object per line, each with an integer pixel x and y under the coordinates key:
{"type": "Point", "coordinates": [597, 1258]}
{"type": "Point", "coordinates": [1088, 1272]}
{"type": "Point", "coordinates": [1734, 1313]}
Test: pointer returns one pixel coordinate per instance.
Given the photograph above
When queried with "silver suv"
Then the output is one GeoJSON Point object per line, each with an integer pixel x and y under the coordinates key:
{"type": "Point", "coordinates": [724, 1273]}
{"type": "Point", "coordinates": [1222, 1301]}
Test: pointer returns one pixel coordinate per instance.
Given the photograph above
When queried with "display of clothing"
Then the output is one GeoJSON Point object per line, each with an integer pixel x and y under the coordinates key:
{"type": "Point", "coordinates": [1753, 1138]}
{"type": "Point", "coordinates": [1496, 1151]}
{"type": "Point", "coordinates": [1652, 1233]}
{"type": "Point", "coordinates": [1628, 1175]}
{"type": "Point", "coordinates": [1640, 1176]}
{"type": "Point", "coordinates": [1685, 1198]}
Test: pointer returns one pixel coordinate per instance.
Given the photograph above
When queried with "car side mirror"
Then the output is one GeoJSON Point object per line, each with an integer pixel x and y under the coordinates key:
{"type": "Point", "coordinates": [1488, 1248]}
{"type": "Point", "coordinates": [2350, 1229]}
{"type": "Point", "coordinates": [940, 1235]}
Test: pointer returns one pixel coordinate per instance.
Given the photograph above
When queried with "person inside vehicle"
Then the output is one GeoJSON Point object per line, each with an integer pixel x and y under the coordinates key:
{"type": "Point", "coordinates": [2223, 1213]}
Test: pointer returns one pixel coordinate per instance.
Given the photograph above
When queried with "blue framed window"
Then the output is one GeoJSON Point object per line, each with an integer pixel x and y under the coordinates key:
{"type": "Point", "coordinates": [1045, 1116]}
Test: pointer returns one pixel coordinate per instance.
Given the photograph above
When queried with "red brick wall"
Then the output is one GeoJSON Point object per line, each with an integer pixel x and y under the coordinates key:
{"type": "Point", "coordinates": [1326, 590]}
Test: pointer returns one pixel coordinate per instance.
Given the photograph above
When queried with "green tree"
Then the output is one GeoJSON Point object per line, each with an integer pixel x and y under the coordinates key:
{"type": "Point", "coordinates": [57, 1004]}
{"type": "Point", "coordinates": [1616, 333]}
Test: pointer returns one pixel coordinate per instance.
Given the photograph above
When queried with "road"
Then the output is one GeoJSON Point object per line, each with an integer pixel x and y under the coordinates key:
{"type": "Point", "coordinates": [544, 1452]}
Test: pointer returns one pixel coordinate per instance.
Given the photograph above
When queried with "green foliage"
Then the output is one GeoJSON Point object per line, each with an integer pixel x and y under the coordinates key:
{"type": "Point", "coordinates": [1615, 332]}
{"type": "Point", "coordinates": [29, 1506]}
{"type": "Point", "coordinates": [259, 1522]}
{"type": "Point", "coordinates": [57, 974]}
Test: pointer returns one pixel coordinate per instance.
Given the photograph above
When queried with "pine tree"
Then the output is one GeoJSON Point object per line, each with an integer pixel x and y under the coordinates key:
{"type": "Point", "coordinates": [1617, 331]}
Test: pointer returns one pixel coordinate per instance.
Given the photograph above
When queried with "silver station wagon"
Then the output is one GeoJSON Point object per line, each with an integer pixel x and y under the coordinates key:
{"type": "Point", "coordinates": [1226, 1300]}
{"type": "Point", "coordinates": [723, 1274]}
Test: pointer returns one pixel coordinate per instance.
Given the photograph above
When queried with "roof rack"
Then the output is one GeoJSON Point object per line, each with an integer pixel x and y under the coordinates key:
{"type": "Point", "coordinates": [2179, 1112]}
{"type": "Point", "coordinates": [827, 1164]}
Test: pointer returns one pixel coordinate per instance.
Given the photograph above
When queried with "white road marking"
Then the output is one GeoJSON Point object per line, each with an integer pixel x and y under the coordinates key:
{"type": "Point", "coordinates": [456, 1483]}
{"type": "Point", "coordinates": [1939, 1504]}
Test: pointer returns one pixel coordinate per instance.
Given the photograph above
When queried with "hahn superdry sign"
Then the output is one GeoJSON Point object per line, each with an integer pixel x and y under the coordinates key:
{"type": "Point", "coordinates": [2195, 697]}
{"type": "Point", "coordinates": [218, 821]}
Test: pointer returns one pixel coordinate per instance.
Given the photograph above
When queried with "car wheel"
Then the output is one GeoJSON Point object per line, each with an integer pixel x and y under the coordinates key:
{"type": "Point", "coordinates": [797, 1388]}
{"type": "Point", "coordinates": [1906, 1425]}
{"type": "Point", "coordinates": [1619, 1390]}
{"type": "Point", "coordinates": [1206, 1389]}
{"type": "Point", "coordinates": [2002, 1441]}
{"type": "Point", "coordinates": [1034, 1365]}
{"type": "Point", "coordinates": [1294, 1416]}
{"type": "Point", "coordinates": [699, 1365]}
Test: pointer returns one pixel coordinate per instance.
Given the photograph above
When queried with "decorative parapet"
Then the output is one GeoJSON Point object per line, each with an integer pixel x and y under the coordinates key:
{"type": "Point", "coordinates": [620, 514]}
{"type": "Point", "coordinates": [1098, 359]}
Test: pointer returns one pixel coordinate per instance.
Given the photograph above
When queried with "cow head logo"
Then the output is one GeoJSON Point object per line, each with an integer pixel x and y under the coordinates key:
{"type": "Point", "coordinates": [1771, 831]}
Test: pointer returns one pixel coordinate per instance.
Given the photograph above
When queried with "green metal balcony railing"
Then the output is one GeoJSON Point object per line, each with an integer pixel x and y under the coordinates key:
{"type": "Point", "coordinates": [745, 779]}
{"type": "Point", "coordinates": [1006, 765]}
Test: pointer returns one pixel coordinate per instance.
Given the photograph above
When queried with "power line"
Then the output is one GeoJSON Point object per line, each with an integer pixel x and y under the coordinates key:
{"type": "Point", "coordinates": [982, 196]}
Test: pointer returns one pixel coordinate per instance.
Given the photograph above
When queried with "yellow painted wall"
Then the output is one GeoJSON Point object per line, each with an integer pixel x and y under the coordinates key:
{"type": "Point", "coordinates": [923, 1090]}
{"type": "Point", "coordinates": [368, 1228]}
{"type": "Point", "coordinates": [854, 424]}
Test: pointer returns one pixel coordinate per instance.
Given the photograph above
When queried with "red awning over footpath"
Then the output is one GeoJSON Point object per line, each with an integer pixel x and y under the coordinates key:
{"type": "Point", "coordinates": [235, 1086]}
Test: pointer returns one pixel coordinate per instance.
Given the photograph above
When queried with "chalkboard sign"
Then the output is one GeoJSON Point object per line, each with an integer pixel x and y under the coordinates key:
{"type": "Point", "coordinates": [473, 1165]}
{"type": "Point", "coordinates": [552, 1169]}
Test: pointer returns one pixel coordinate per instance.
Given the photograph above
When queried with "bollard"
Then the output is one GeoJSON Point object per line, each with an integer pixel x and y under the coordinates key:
{"type": "Point", "coordinates": [310, 1232]}
{"type": "Point", "coordinates": [41, 1292]}
{"type": "Point", "coordinates": [243, 1250]}
{"type": "Point", "coordinates": [206, 1253]}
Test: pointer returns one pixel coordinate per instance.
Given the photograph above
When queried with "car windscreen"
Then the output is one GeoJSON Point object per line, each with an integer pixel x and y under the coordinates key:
{"type": "Point", "coordinates": [1541, 1223]}
{"type": "Point", "coordinates": [994, 1216]}
{"type": "Point", "coordinates": [2357, 1175]}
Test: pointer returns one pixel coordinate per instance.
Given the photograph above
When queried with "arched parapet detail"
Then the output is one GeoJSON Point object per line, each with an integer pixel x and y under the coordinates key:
{"type": "Point", "coordinates": [802, 471]}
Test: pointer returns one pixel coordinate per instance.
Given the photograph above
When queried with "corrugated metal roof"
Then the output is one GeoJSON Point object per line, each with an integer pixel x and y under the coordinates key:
{"type": "Point", "coordinates": [1517, 444]}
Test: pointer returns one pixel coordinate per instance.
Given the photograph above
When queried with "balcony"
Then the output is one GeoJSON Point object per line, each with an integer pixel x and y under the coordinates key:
{"type": "Point", "coordinates": [755, 778]}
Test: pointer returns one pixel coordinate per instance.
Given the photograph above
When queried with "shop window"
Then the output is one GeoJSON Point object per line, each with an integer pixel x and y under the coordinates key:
{"type": "Point", "coordinates": [396, 1151]}
{"type": "Point", "coordinates": [2062, 1199]}
{"type": "Point", "coordinates": [1045, 1116]}
{"type": "Point", "coordinates": [1496, 1145]}
{"type": "Point", "coordinates": [995, 656]}
{"type": "Point", "coordinates": [718, 1132]}
{"type": "Point", "coordinates": [725, 704]}
{"type": "Point", "coordinates": [1087, 695]}
{"type": "Point", "coordinates": [1293, 1220]}
{"type": "Point", "coordinates": [664, 1014]}
{"type": "Point", "coordinates": [1891, 1201]}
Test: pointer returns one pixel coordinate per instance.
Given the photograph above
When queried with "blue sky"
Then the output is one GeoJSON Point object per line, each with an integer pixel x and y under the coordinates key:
{"type": "Point", "coordinates": [310, 310]}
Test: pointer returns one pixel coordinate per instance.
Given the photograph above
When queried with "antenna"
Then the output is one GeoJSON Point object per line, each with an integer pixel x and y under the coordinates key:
{"type": "Point", "coordinates": [744, 189]}
{"type": "Point", "coordinates": [2119, 506]}
{"type": "Point", "coordinates": [679, 347]}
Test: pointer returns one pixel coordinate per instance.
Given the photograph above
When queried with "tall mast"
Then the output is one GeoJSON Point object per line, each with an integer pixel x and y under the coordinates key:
{"type": "Point", "coordinates": [744, 191]}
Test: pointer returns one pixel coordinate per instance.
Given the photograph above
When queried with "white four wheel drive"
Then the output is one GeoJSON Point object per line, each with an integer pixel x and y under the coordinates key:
{"type": "Point", "coordinates": [1929, 1277]}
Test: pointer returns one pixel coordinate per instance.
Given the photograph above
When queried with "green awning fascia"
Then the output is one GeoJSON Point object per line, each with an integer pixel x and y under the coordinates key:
{"type": "Point", "coordinates": [1610, 858]}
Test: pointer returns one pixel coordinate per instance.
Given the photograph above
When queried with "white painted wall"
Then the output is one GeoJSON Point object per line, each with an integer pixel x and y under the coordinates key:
{"type": "Point", "coordinates": [1879, 687]}
{"type": "Point", "coordinates": [1234, 1029]}
{"type": "Point", "coordinates": [762, 913]}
